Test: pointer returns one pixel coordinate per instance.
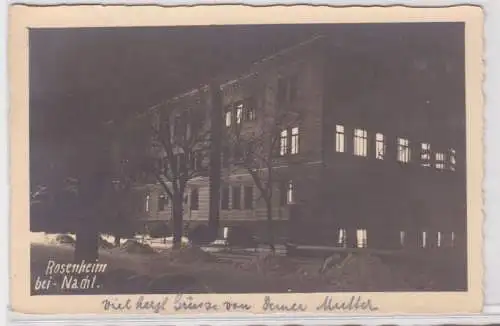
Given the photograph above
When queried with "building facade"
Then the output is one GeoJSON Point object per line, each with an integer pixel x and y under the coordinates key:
{"type": "Point", "coordinates": [364, 155]}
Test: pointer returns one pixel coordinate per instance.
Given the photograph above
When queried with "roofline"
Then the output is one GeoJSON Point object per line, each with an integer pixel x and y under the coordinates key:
{"type": "Point", "coordinates": [284, 52]}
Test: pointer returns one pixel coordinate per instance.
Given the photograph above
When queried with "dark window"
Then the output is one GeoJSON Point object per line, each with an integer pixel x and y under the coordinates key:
{"type": "Point", "coordinates": [283, 193]}
{"type": "Point", "coordinates": [194, 199]}
{"type": "Point", "coordinates": [196, 160]}
{"type": "Point", "coordinates": [224, 200]}
{"type": "Point", "coordinates": [248, 193]}
{"type": "Point", "coordinates": [292, 87]}
{"type": "Point", "coordinates": [236, 197]}
{"type": "Point", "coordinates": [162, 202]}
{"type": "Point", "coordinates": [249, 110]}
{"type": "Point", "coordinates": [281, 94]}
{"type": "Point", "coordinates": [180, 125]}
{"type": "Point", "coordinates": [181, 161]}
{"type": "Point", "coordinates": [225, 157]}
{"type": "Point", "coordinates": [287, 89]}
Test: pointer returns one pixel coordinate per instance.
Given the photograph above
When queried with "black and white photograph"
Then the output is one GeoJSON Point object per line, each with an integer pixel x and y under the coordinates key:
{"type": "Point", "coordinates": [249, 159]}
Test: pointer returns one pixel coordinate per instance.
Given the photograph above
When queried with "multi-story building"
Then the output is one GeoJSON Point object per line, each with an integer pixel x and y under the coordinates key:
{"type": "Point", "coordinates": [370, 154]}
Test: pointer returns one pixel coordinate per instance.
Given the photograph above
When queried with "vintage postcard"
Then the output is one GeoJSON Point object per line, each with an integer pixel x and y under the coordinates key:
{"type": "Point", "coordinates": [240, 160]}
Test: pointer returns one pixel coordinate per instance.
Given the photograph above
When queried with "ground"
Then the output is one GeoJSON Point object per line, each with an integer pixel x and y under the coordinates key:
{"type": "Point", "coordinates": [242, 271]}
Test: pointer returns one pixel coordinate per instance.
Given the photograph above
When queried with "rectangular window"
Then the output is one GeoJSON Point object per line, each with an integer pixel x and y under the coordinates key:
{"type": "Point", "coordinates": [180, 125]}
{"type": "Point", "coordinates": [248, 193]}
{"type": "Point", "coordinates": [361, 238]}
{"type": "Point", "coordinates": [249, 110]}
{"type": "Point", "coordinates": [295, 141]}
{"type": "Point", "coordinates": [424, 239]}
{"type": "Point", "coordinates": [293, 87]}
{"type": "Point", "coordinates": [402, 238]}
{"type": "Point", "coordinates": [284, 142]}
{"type": "Point", "coordinates": [339, 139]}
{"type": "Point", "coordinates": [440, 161]}
{"type": "Point", "coordinates": [181, 161]}
{"type": "Point", "coordinates": [224, 199]}
{"type": "Point", "coordinates": [360, 142]}
{"type": "Point", "coordinates": [236, 197]}
{"type": "Point", "coordinates": [283, 193]}
{"type": "Point", "coordinates": [281, 94]}
{"type": "Point", "coordinates": [162, 202]}
{"type": "Point", "coordinates": [379, 146]}
{"type": "Point", "coordinates": [194, 199]}
{"type": "Point", "coordinates": [403, 150]}
{"type": "Point", "coordinates": [239, 112]}
{"type": "Point", "coordinates": [438, 242]}
{"type": "Point", "coordinates": [228, 117]}
{"type": "Point", "coordinates": [425, 156]}
{"type": "Point", "coordinates": [290, 193]}
{"type": "Point", "coordinates": [342, 238]}
{"type": "Point", "coordinates": [225, 157]}
{"type": "Point", "coordinates": [147, 203]}
{"type": "Point", "coordinates": [452, 159]}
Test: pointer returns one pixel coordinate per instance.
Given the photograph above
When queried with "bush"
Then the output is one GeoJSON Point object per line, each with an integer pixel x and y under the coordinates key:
{"type": "Point", "coordinates": [159, 230]}
{"type": "Point", "coordinates": [201, 235]}
{"type": "Point", "coordinates": [65, 239]}
{"type": "Point", "coordinates": [104, 244]}
{"type": "Point", "coordinates": [241, 237]}
{"type": "Point", "coordinates": [134, 247]}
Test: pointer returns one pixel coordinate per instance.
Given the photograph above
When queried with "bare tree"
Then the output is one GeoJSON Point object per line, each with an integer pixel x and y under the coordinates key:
{"type": "Point", "coordinates": [180, 143]}
{"type": "Point", "coordinates": [260, 140]}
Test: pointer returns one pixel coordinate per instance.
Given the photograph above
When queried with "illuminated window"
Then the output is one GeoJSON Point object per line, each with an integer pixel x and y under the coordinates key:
{"type": "Point", "coordinates": [440, 161]}
{"type": "Point", "coordinates": [453, 159]}
{"type": "Point", "coordinates": [402, 238]}
{"type": "Point", "coordinates": [289, 141]}
{"type": "Point", "coordinates": [339, 139]}
{"type": "Point", "coordinates": [361, 237]}
{"type": "Point", "coordinates": [360, 142]}
{"type": "Point", "coordinates": [425, 155]}
{"type": "Point", "coordinates": [295, 141]}
{"type": "Point", "coordinates": [228, 117]}
{"type": "Point", "coordinates": [342, 238]}
{"type": "Point", "coordinates": [424, 239]}
{"type": "Point", "coordinates": [379, 146]}
{"type": "Point", "coordinates": [403, 150]}
{"type": "Point", "coordinates": [284, 142]}
{"type": "Point", "coordinates": [290, 193]}
{"type": "Point", "coordinates": [239, 113]}
{"type": "Point", "coordinates": [147, 203]}
{"type": "Point", "coordinates": [438, 243]}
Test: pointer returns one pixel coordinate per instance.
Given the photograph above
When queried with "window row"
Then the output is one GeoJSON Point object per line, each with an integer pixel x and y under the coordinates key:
{"type": "Point", "coordinates": [191, 161]}
{"type": "Point", "coordinates": [231, 197]}
{"type": "Point", "coordinates": [240, 111]}
{"type": "Point", "coordinates": [245, 110]}
{"type": "Point", "coordinates": [442, 160]}
{"type": "Point", "coordinates": [441, 239]}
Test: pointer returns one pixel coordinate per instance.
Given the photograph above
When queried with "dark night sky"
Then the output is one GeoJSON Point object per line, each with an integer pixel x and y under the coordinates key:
{"type": "Point", "coordinates": [81, 77]}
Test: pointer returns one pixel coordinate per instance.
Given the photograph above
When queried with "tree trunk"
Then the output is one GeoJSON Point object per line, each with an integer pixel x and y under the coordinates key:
{"type": "Point", "coordinates": [215, 159]}
{"type": "Point", "coordinates": [270, 226]}
{"type": "Point", "coordinates": [86, 246]}
{"type": "Point", "coordinates": [117, 240]}
{"type": "Point", "coordinates": [177, 221]}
